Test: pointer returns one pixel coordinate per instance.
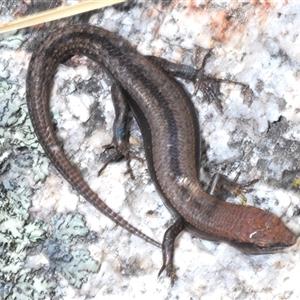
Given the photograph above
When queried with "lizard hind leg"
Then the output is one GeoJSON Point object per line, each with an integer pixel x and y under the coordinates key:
{"type": "Point", "coordinates": [120, 141]}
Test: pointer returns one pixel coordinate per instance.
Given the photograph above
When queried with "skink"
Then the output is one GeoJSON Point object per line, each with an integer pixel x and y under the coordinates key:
{"type": "Point", "coordinates": [170, 130]}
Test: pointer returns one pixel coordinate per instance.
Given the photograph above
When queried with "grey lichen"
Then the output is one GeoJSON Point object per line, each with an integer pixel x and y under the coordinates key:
{"type": "Point", "coordinates": [22, 165]}
{"type": "Point", "coordinates": [65, 229]}
{"type": "Point", "coordinates": [30, 287]}
{"type": "Point", "coordinates": [74, 264]}
{"type": "Point", "coordinates": [17, 235]}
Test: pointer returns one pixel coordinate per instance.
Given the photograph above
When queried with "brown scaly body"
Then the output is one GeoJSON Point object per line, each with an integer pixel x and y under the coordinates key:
{"type": "Point", "coordinates": [170, 130]}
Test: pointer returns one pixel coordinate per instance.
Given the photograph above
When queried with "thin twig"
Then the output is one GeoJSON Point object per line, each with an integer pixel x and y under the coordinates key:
{"type": "Point", "coordinates": [56, 13]}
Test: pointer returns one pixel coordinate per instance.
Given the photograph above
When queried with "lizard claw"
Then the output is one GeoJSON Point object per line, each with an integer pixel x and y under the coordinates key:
{"type": "Point", "coordinates": [117, 155]}
{"type": "Point", "coordinates": [209, 86]}
{"type": "Point", "coordinates": [238, 189]}
{"type": "Point", "coordinates": [170, 272]}
{"type": "Point", "coordinates": [110, 158]}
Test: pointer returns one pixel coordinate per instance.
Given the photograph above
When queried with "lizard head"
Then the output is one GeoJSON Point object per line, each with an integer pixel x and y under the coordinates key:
{"type": "Point", "coordinates": [262, 232]}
